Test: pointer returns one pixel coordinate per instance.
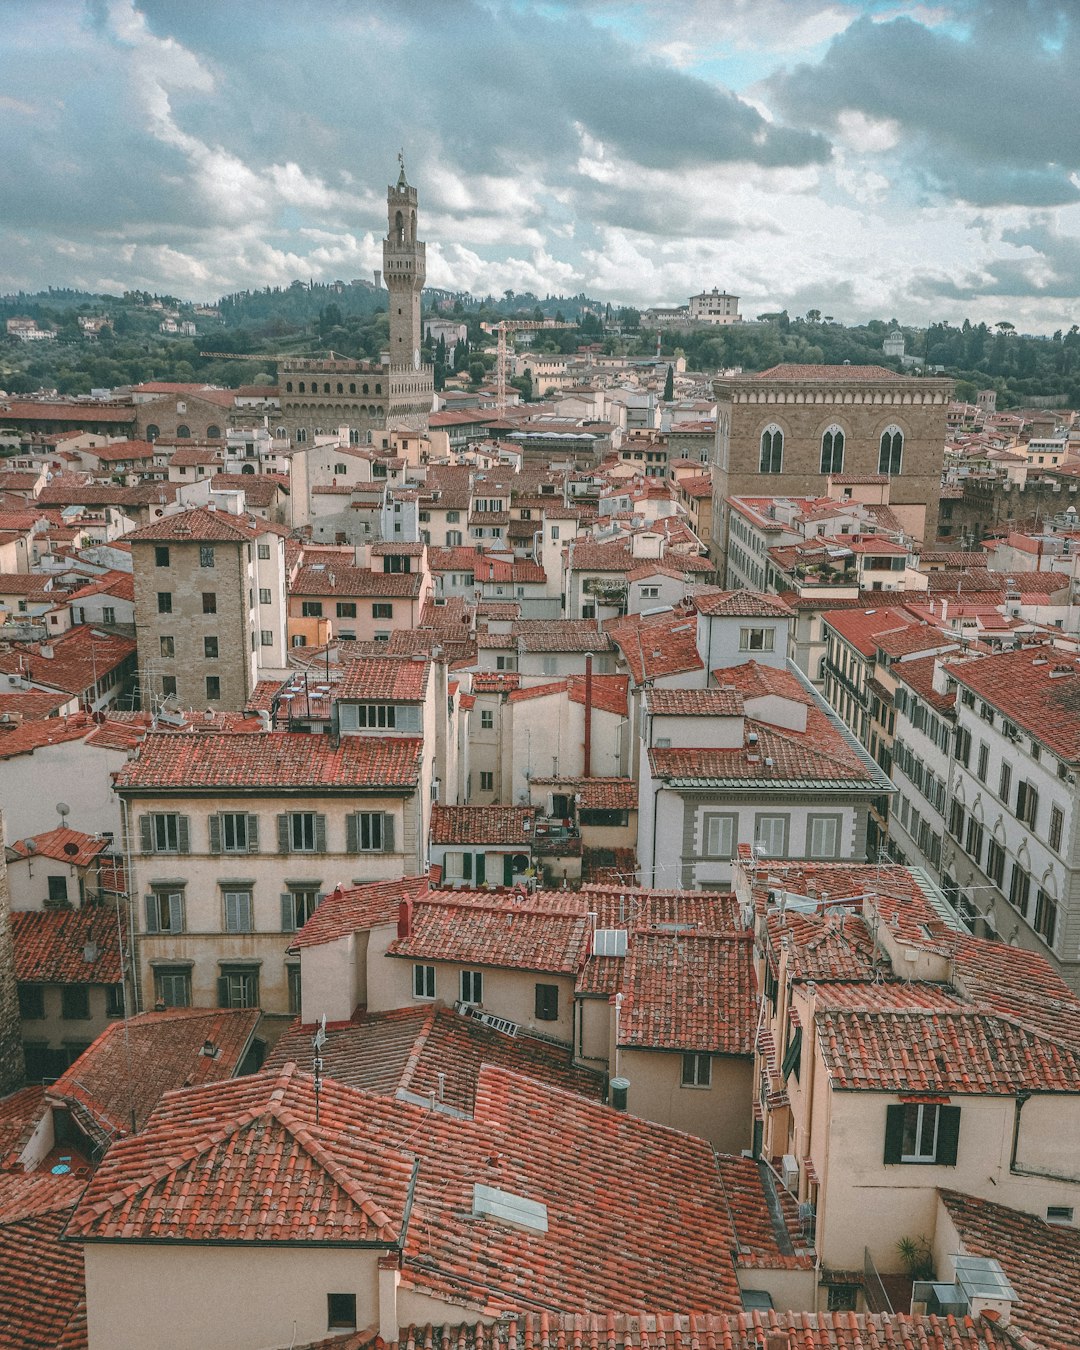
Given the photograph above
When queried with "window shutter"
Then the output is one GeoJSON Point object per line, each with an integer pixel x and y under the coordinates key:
{"type": "Point", "coordinates": [146, 834]}
{"type": "Point", "coordinates": [253, 834]}
{"type": "Point", "coordinates": [948, 1135]}
{"type": "Point", "coordinates": [320, 834]}
{"type": "Point", "coordinates": [176, 913]}
{"type": "Point", "coordinates": [183, 834]}
{"type": "Point", "coordinates": [283, 834]}
{"type": "Point", "coordinates": [288, 913]}
{"type": "Point", "coordinates": [215, 834]}
{"type": "Point", "coordinates": [223, 991]}
{"type": "Point", "coordinates": [388, 832]}
{"type": "Point", "coordinates": [894, 1133]}
{"type": "Point", "coordinates": [352, 832]}
{"type": "Point", "coordinates": [793, 1055]}
{"type": "Point", "coordinates": [232, 912]}
{"type": "Point", "coordinates": [151, 914]}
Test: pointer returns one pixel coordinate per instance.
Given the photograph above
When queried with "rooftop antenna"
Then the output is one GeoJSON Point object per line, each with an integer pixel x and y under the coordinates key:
{"type": "Point", "coordinates": [317, 1043]}
{"type": "Point", "coordinates": [63, 811]}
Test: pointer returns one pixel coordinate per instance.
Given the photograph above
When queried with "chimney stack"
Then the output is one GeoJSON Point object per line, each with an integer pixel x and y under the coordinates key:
{"type": "Point", "coordinates": [404, 922]}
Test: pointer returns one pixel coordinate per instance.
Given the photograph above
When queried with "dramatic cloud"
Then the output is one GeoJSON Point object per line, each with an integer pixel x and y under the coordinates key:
{"type": "Point", "coordinates": [864, 157]}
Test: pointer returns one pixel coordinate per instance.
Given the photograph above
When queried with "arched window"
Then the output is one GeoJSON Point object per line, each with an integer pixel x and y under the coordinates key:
{"type": "Point", "coordinates": [301, 386]}
{"type": "Point", "coordinates": [352, 388]}
{"type": "Point", "coordinates": [152, 432]}
{"type": "Point", "coordinates": [288, 386]}
{"type": "Point", "coordinates": [832, 450]}
{"type": "Point", "coordinates": [891, 453]}
{"type": "Point", "coordinates": [247, 468]}
{"type": "Point", "coordinates": [183, 432]}
{"type": "Point", "coordinates": [326, 386]}
{"type": "Point", "coordinates": [378, 388]}
{"type": "Point", "coordinates": [772, 450]}
{"type": "Point", "coordinates": [340, 388]}
{"type": "Point", "coordinates": [399, 227]}
{"type": "Point", "coordinates": [213, 433]}
{"type": "Point", "coordinates": [365, 389]}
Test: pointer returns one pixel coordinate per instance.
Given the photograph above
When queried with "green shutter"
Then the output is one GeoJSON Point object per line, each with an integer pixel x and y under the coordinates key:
{"type": "Point", "coordinates": [283, 834]}
{"type": "Point", "coordinates": [146, 834]}
{"type": "Point", "coordinates": [288, 913]}
{"type": "Point", "coordinates": [183, 834]}
{"type": "Point", "coordinates": [253, 834]}
{"type": "Point", "coordinates": [215, 834]}
{"type": "Point", "coordinates": [948, 1135]}
{"type": "Point", "coordinates": [320, 834]}
{"type": "Point", "coordinates": [481, 868]}
{"type": "Point", "coordinates": [176, 912]}
{"type": "Point", "coordinates": [387, 832]}
{"type": "Point", "coordinates": [352, 832]}
{"type": "Point", "coordinates": [894, 1133]}
{"type": "Point", "coordinates": [792, 1056]}
{"type": "Point", "coordinates": [151, 914]}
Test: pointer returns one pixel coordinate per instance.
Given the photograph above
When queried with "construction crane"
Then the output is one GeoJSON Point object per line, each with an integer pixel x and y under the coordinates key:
{"type": "Point", "coordinates": [503, 327]}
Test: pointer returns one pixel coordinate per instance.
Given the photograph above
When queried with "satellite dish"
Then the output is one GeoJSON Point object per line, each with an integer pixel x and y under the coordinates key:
{"type": "Point", "coordinates": [71, 850]}
{"type": "Point", "coordinates": [63, 810]}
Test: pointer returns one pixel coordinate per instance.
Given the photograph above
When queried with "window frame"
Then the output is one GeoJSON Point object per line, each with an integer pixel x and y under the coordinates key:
{"type": "Point", "coordinates": [546, 1002]}
{"type": "Point", "coordinates": [75, 1002]}
{"type": "Point", "coordinates": [769, 460]}
{"type": "Point", "coordinates": [696, 1069]}
{"type": "Point", "coordinates": [424, 981]}
{"type": "Point", "coordinates": [243, 905]}
{"type": "Point", "coordinates": [471, 987]}
{"type": "Point", "coordinates": [168, 977]}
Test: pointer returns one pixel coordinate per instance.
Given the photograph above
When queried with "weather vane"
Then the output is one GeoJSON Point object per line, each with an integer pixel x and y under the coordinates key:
{"type": "Point", "coordinates": [401, 158]}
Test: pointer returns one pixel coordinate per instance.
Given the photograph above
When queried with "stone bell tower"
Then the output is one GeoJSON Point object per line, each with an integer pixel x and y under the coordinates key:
{"type": "Point", "coordinates": [404, 272]}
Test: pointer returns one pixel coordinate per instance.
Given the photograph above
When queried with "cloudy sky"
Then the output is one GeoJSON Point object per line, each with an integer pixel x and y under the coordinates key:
{"type": "Point", "coordinates": [868, 158]}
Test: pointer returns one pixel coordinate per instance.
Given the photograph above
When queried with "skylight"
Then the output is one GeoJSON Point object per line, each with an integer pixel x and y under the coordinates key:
{"type": "Point", "coordinates": [492, 1203]}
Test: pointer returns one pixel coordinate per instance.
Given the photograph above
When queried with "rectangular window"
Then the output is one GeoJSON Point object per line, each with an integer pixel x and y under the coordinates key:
{"type": "Point", "coordinates": [266, 637]}
{"type": "Point", "coordinates": [1057, 822]}
{"type": "Point", "coordinates": [369, 832]}
{"type": "Point", "coordinates": [108, 615]}
{"type": "Point", "coordinates": [167, 646]}
{"type": "Point", "coordinates": [983, 762]}
{"type": "Point", "coordinates": [918, 1132]}
{"type": "Point", "coordinates": [237, 832]}
{"type": "Point", "coordinates": [114, 1000]}
{"type": "Point", "coordinates": [487, 720]}
{"type": "Point", "coordinates": [209, 602]}
{"type": "Point", "coordinates": [161, 555]}
{"type": "Point", "coordinates": [487, 781]}
{"type": "Point", "coordinates": [238, 987]}
{"type": "Point", "coordinates": [382, 610]}
{"type": "Point", "coordinates": [210, 648]}
{"type": "Point", "coordinates": [292, 975]}
{"type": "Point", "coordinates": [238, 912]}
{"type": "Point", "coordinates": [423, 981]}
{"type": "Point", "coordinates": [341, 1312]}
{"type": "Point", "coordinates": [206, 555]}
{"type": "Point", "coordinates": [346, 609]}
{"type": "Point", "coordinates": [1027, 804]}
{"type": "Point", "coordinates": [823, 837]}
{"type": "Point", "coordinates": [58, 890]}
{"type": "Point", "coordinates": [164, 602]}
{"type": "Point", "coordinates": [213, 687]}
{"type": "Point", "coordinates": [1019, 889]}
{"type": "Point", "coordinates": [264, 552]}
{"type": "Point", "coordinates": [995, 862]}
{"type": "Point", "coordinates": [770, 836]}
{"type": "Point", "coordinates": [311, 609]}
{"type": "Point", "coordinates": [547, 1003]}
{"type": "Point", "coordinates": [165, 832]}
{"type": "Point", "coordinates": [264, 595]}
{"type": "Point", "coordinates": [168, 686]}
{"type": "Point", "coordinates": [472, 986]}
{"type": "Point", "coordinates": [973, 844]}
{"type": "Point", "coordinates": [172, 987]}
{"type": "Point", "coordinates": [297, 906]}
{"type": "Point", "coordinates": [453, 517]}
{"type": "Point", "coordinates": [1005, 782]}
{"type": "Point", "coordinates": [165, 911]}
{"type": "Point", "coordinates": [719, 835]}
{"type": "Point", "coordinates": [31, 1002]}
{"type": "Point", "coordinates": [696, 1070]}
{"type": "Point", "coordinates": [1045, 922]}
{"type": "Point", "coordinates": [302, 832]}
{"type": "Point", "coordinates": [756, 639]}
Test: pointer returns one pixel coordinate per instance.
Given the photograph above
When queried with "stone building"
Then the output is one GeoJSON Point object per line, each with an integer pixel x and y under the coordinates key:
{"type": "Point", "coordinates": [319, 395]}
{"type": "Point", "coordinates": [782, 432]}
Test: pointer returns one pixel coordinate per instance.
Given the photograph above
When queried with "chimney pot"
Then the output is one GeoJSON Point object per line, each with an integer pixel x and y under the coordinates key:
{"type": "Point", "coordinates": [404, 923]}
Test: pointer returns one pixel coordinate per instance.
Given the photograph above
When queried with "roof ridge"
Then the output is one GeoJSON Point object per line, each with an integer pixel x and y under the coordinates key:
{"type": "Point", "coordinates": [417, 1050]}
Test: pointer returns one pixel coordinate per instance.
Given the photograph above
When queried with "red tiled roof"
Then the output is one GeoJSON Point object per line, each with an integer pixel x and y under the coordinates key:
{"type": "Point", "coordinates": [394, 678]}
{"type": "Point", "coordinates": [80, 658]}
{"type": "Point", "coordinates": [50, 946]}
{"type": "Point", "coordinates": [919, 676]}
{"type": "Point", "coordinates": [920, 638]}
{"type": "Point", "coordinates": [42, 1286]}
{"type": "Point", "coordinates": [343, 912]}
{"type": "Point", "coordinates": [494, 682]}
{"type": "Point", "coordinates": [1041, 1261]}
{"type": "Point", "coordinates": [274, 760]}
{"type": "Point", "coordinates": [596, 794]}
{"type": "Point", "coordinates": [743, 604]}
{"type": "Point", "coordinates": [494, 933]}
{"type": "Point", "coordinates": [198, 525]}
{"type": "Point", "coordinates": [864, 628]}
{"type": "Point", "coordinates": [118, 1081]}
{"type": "Point", "coordinates": [654, 646]}
{"type": "Point", "coordinates": [844, 374]}
{"type": "Point", "coordinates": [1038, 689]}
{"type": "Point", "coordinates": [31, 736]}
{"type": "Point", "coordinates": [341, 580]}
{"type": "Point", "coordinates": [690, 992]}
{"type": "Point", "coordinates": [560, 635]}
{"type": "Point", "coordinates": [609, 692]}
{"type": "Point", "coordinates": [748, 1187]}
{"type": "Point", "coordinates": [20, 1114]}
{"type": "Point", "coordinates": [64, 845]}
{"type": "Point", "coordinates": [31, 704]}
{"type": "Point", "coordinates": [483, 825]}
{"type": "Point", "coordinates": [432, 1052]}
{"type": "Point", "coordinates": [695, 703]}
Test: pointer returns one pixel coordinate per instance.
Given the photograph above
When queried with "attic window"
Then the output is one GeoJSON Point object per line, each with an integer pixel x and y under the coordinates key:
{"type": "Point", "coordinates": [491, 1203]}
{"type": "Point", "coordinates": [609, 942]}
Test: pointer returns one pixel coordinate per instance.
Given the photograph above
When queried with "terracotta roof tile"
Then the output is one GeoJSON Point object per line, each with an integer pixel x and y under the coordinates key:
{"type": "Point", "coordinates": [50, 946]}
{"type": "Point", "coordinates": [695, 703]}
{"type": "Point", "coordinates": [344, 581]}
{"type": "Point", "coordinates": [743, 604]}
{"type": "Point", "coordinates": [654, 646]}
{"type": "Point", "coordinates": [20, 1113]}
{"type": "Point", "coordinates": [483, 825]}
{"type": "Point", "coordinates": [198, 525]}
{"type": "Point", "coordinates": [596, 794]}
{"type": "Point", "coordinates": [690, 992]}
{"type": "Point", "coordinates": [1038, 689]}
{"type": "Point", "coordinates": [274, 760]}
{"type": "Point", "coordinates": [394, 678]}
{"type": "Point", "coordinates": [79, 659]}
{"type": "Point", "coordinates": [42, 1285]}
{"type": "Point", "coordinates": [515, 936]}
{"type": "Point", "coordinates": [358, 908]}
{"type": "Point", "coordinates": [64, 845]}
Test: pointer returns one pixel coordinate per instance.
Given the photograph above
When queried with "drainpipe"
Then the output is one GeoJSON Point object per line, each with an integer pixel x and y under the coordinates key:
{"type": "Point", "coordinates": [1021, 1098]}
{"type": "Point", "coordinates": [587, 770]}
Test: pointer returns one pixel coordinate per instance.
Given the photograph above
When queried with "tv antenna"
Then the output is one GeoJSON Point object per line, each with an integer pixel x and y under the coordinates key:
{"type": "Point", "coordinates": [317, 1043]}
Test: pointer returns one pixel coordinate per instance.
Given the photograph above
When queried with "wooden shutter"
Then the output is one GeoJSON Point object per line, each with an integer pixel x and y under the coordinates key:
{"type": "Point", "coordinates": [183, 834]}
{"type": "Point", "coordinates": [283, 834]}
{"type": "Point", "coordinates": [215, 834]}
{"type": "Point", "coordinates": [387, 832]}
{"type": "Point", "coordinates": [288, 912]}
{"type": "Point", "coordinates": [894, 1133]}
{"type": "Point", "coordinates": [232, 911]}
{"type": "Point", "coordinates": [320, 834]}
{"type": "Point", "coordinates": [146, 834]}
{"type": "Point", "coordinates": [176, 912]}
{"type": "Point", "coordinates": [253, 834]}
{"type": "Point", "coordinates": [792, 1056]}
{"type": "Point", "coordinates": [151, 913]}
{"type": "Point", "coordinates": [948, 1135]}
{"type": "Point", "coordinates": [352, 832]}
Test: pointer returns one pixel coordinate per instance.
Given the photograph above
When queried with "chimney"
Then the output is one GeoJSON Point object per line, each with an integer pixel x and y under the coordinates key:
{"type": "Point", "coordinates": [404, 922]}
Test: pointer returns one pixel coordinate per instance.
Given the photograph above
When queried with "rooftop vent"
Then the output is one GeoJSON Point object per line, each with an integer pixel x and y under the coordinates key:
{"type": "Point", "coordinates": [609, 942]}
{"type": "Point", "coordinates": [491, 1203]}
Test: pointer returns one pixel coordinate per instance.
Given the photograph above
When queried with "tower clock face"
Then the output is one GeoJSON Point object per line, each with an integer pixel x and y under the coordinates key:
{"type": "Point", "coordinates": [416, 358]}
